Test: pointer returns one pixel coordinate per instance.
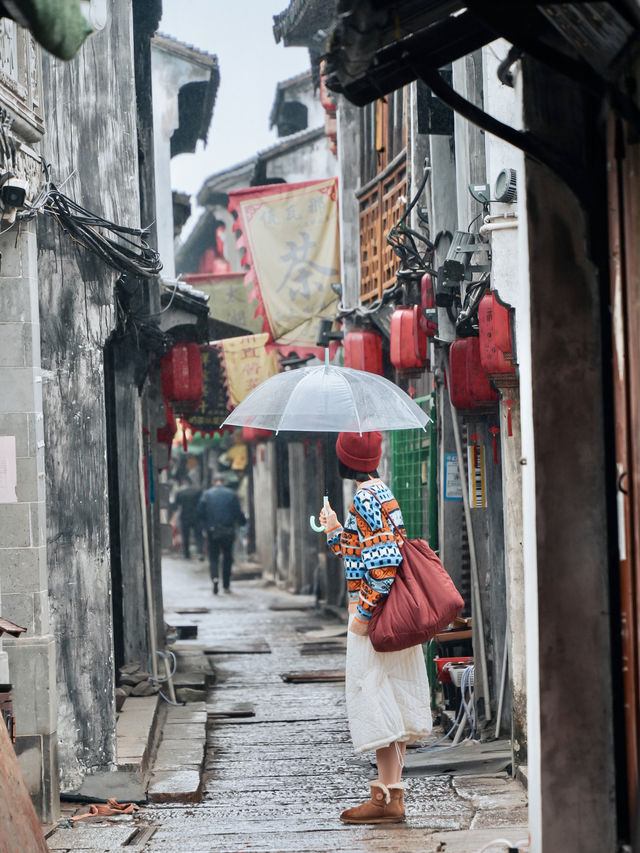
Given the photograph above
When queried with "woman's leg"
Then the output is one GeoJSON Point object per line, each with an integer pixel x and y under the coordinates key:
{"type": "Point", "coordinates": [390, 760]}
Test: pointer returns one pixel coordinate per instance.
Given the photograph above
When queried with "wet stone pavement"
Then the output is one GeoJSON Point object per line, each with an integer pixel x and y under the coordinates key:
{"type": "Point", "coordinates": [277, 780]}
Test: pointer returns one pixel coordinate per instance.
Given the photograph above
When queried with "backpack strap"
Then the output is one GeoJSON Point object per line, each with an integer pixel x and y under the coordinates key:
{"type": "Point", "coordinates": [386, 514]}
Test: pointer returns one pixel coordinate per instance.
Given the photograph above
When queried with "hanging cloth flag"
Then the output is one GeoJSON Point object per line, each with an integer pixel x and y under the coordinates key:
{"type": "Point", "coordinates": [213, 408]}
{"type": "Point", "coordinates": [247, 363]}
{"type": "Point", "coordinates": [228, 299]}
{"type": "Point", "coordinates": [58, 25]}
{"type": "Point", "coordinates": [290, 234]}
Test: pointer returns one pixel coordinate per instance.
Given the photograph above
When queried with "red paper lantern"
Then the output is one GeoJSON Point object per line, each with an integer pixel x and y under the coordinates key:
{"type": "Point", "coordinates": [408, 341]}
{"type": "Point", "coordinates": [469, 385]}
{"type": "Point", "coordinates": [252, 435]}
{"type": "Point", "coordinates": [181, 375]}
{"type": "Point", "coordinates": [496, 348]}
{"type": "Point", "coordinates": [363, 351]}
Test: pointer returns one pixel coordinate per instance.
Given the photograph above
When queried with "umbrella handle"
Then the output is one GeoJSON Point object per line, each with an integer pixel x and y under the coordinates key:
{"type": "Point", "coordinates": [312, 519]}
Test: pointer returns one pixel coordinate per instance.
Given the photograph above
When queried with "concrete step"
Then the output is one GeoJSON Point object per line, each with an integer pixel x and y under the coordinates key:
{"type": "Point", "coordinates": [136, 730]}
{"type": "Point", "coordinates": [176, 772]}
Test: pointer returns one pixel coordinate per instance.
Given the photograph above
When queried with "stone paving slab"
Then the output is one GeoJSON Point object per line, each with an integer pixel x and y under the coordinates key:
{"type": "Point", "coordinates": [182, 731]}
{"type": "Point", "coordinates": [171, 786]}
{"type": "Point", "coordinates": [194, 712]}
{"type": "Point", "coordinates": [471, 757]}
{"type": "Point", "coordinates": [84, 836]}
{"type": "Point", "coordinates": [173, 754]}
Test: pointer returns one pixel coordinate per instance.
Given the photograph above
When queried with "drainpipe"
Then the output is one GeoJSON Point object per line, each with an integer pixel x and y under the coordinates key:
{"type": "Point", "coordinates": [145, 552]}
{"type": "Point", "coordinates": [475, 580]}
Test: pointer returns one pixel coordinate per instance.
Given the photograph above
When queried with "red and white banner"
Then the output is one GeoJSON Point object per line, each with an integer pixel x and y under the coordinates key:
{"type": "Point", "coordinates": [290, 234]}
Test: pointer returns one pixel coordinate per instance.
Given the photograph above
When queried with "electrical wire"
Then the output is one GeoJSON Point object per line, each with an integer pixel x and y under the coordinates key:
{"type": "Point", "coordinates": [168, 655]}
{"type": "Point", "coordinates": [413, 248]}
{"type": "Point", "coordinates": [121, 247]}
{"type": "Point", "coordinates": [166, 307]}
{"type": "Point", "coordinates": [466, 709]}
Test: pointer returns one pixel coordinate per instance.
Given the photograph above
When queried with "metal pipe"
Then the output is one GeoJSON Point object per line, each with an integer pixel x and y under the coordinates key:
{"type": "Point", "coordinates": [145, 551]}
{"type": "Point", "coordinates": [503, 678]}
{"type": "Point", "coordinates": [475, 581]}
{"type": "Point", "coordinates": [169, 677]}
{"type": "Point", "coordinates": [489, 227]}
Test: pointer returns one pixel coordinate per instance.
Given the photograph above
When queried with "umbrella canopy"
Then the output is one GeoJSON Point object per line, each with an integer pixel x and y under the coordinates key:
{"type": "Point", "coordinates": [328, 398]}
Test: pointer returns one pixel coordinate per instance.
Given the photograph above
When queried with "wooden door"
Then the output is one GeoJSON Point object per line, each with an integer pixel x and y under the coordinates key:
{"type": "Point", "coordinates": [624, 221]}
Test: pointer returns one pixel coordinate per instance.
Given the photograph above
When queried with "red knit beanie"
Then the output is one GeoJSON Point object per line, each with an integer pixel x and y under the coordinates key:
{"type": "Point", "coordinates": [360, 452]}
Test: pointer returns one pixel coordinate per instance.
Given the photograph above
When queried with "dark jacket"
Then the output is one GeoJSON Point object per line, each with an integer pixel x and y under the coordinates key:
{"type": "Point", "coordinates": [187, 500]}
{"type": "Point", "coordinates": [220, 507]}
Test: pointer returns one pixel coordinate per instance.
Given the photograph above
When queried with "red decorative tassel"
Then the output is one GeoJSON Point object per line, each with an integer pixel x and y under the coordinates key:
{"type": "Point", "coordinates": [509, 426]}
{"type": "Point", "coordinates": [184, 434]}
{"type": "Point", "coordinates": [494, 430]}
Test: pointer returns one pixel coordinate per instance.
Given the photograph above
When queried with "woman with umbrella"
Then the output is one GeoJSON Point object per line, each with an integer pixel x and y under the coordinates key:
{"type": "Point", "coordinates": [387, 693]}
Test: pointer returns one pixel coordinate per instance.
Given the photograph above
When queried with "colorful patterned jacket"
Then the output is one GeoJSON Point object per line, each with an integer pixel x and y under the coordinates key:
{"type": "Point", "coordinates": [369, 546]}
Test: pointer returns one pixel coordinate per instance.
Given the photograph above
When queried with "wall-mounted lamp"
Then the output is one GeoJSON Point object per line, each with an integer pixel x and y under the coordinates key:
{"type": "Point", "coordinates": [506, 186]}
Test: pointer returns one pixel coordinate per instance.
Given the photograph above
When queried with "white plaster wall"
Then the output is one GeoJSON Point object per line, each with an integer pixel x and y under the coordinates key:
{"type": "Point", "coordinates": [305, 94]}
{"type": "Point", "coordinates": [311, 162]}
{"type": "Point", "coordinates": [510, 277]}
{"type": "Point", "coordinates": [168, 74]}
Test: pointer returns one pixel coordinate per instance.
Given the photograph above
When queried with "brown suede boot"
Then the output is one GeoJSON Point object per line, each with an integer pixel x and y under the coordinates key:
{"type": "Point", "coordinates": [385, 806]}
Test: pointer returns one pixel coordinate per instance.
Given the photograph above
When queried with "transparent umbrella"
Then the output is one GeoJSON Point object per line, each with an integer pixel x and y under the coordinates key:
{"type": "Point", "coordinates": [328, 398]}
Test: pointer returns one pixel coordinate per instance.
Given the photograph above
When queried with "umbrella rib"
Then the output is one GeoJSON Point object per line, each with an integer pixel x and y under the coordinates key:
{"type": "Point", "coordinates": [355, 408]}
{"type": "Point", "coordinates": [404, 403]}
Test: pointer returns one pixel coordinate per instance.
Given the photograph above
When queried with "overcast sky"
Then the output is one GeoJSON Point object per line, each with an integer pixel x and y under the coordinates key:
{"type": "Point", "coordinates": [240, 34]}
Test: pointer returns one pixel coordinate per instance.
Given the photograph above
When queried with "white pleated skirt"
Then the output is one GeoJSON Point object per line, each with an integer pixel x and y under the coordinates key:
{"type": "Point", "coordinates": [387, 695]}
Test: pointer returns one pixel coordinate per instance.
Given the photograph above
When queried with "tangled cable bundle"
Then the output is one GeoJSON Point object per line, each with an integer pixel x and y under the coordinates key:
{"type": "Point", "coordinates": [126, 251]}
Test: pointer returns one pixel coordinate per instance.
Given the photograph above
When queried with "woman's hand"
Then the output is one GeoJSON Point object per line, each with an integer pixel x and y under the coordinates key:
{"type": "Point", "coordinates": [360, 628]}
{"type": "Point", "coordinates": [328, 517]}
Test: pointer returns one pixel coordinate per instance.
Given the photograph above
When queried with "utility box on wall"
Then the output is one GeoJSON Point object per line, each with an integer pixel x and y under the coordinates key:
{"type": "Point", "coordinates": [496, 344]}
{"type": "Point", "coordinates": [408, 339]}
{"type": "Point", "coordinates": [363, 351]}
{"type": "Point", "coordinates": [469, 385]}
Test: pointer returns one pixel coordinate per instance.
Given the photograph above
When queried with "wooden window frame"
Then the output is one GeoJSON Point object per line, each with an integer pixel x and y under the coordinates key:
{"type": "Point", "coordinates": [382, 199]}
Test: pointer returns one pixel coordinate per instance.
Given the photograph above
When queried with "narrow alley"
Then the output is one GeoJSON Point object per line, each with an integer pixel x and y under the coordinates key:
{"type": "Point", "coordinates": [278, 779]}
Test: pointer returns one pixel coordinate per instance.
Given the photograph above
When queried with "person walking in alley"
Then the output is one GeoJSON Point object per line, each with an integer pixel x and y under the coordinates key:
{"type": "Point", "coordinates": [387, 693]}
{"type": "Point", "coordinates": [220, 513]}
{"type": "Point", "coordinates": [186, 501]}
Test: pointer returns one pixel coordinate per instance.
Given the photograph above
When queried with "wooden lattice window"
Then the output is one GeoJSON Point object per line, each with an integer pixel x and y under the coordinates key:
{"type": "Point", "coordinates": [381, 206]}
{"type": "Point", "coordinates": [382, 198]}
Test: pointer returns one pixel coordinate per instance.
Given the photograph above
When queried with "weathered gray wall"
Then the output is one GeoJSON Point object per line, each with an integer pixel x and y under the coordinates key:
{"type": "Point", "coordinates": [23, 558]}
{"type": "Point", "coordinates": [264, 506]}
{"type": "Point", "coordinates": [133, 638]}
{"type": "Point", "coordinates": [571, 511]}
{"type": "Point", "coordinates": [488, 531]}
{"type": "Point", "coordinates": [97, 140]}
{"type": "Point", "coordinates": [306, 482]}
